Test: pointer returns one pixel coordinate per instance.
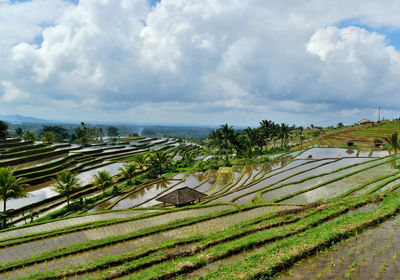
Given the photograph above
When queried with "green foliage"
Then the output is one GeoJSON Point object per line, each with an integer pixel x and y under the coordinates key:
{"type": "Point", "coordinates": [103, 180]}
{"type": "Point", "coordinates": [3, 130]}
{"type": "Point", "coordinates": [67, 183]}
{"type": "Point", "coordinates": [29, 136]}
{"type": "Point", "coordinates": [60, 133]}
{"type": "Point", "coordinates": [48, 137]}
{"type": "Point", "coordinates": [112, 131]}
{"type": "Point", "coordinates": [159, 163]}
{"type": "Point", "coordinates": [128, 171]}
{"type": "Point", "coordinates": [10, 187]}
{"type": "Point", "coordinates": [394, 141]}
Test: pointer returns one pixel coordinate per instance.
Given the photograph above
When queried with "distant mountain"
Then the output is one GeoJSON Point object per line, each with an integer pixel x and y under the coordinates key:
{"type": "Point", "coordinates": [22, 119]}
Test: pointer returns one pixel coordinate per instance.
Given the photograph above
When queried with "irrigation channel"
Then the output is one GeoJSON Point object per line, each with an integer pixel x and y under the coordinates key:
{"type": "Point", "coordinates": [255, 223]}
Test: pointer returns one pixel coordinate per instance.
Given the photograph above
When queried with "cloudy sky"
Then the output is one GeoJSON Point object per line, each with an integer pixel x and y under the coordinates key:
{"type": "Point", "coordinates": [200, 61]}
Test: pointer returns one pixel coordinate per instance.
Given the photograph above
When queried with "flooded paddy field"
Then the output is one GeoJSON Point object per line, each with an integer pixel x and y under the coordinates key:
{"type": "Point", "coordinates": [295, 196]}
{"type": "Point", "coordinates": [373, 254]}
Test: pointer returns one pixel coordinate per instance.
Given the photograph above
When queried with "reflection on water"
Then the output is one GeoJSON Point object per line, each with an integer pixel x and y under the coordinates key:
{"type": "Point", "coordinates": [33, 196]}
{"type": "Point", "coordinates": [87, 176]}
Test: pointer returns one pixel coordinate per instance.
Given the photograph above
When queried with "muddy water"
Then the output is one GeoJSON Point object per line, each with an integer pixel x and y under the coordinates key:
{"type": "Point", "coordinates": [53, 243]}
{"type": "Point", "coordinates": [373, 254]}
{"type": "Point", "coordinates": [271, 177]}
{"type": "Point", "coordinates": [274, 194]}
{"type": "Point", "coordinates": [205, 227]}
{"type": "Point", "coordinates": [338, 187]}
{"type": "Point", "coordinates": [191, 181]}
{"type": "Point", "coordinates": [280, 179]}
{"type": "Point", "coordinates": [145, 194]}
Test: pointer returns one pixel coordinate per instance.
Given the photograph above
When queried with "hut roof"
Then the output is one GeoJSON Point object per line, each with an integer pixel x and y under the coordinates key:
{"type": "Point", "coordinates": [364, 121]}
{"type": "Point", "coordinates": [181, 196]}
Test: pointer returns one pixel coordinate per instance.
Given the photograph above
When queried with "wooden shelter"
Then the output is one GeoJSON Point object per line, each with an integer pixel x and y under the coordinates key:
{"type": "Point", "coordinates": [365, 121]}
{"type": "Point", "coordinates": [182, 196]}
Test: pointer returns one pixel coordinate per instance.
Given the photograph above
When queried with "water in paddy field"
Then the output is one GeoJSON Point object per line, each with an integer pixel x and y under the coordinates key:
{"type": "Point", "coordinates": [373, 254]}
{"type": "Point", "coordinates": [33, 196]}
{"type": "Point", "coordinates": [87, 176]}
{"type": "Point", "coordinates": [319, 153]}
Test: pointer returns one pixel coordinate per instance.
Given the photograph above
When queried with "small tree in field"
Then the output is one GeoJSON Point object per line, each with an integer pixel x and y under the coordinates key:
{"type": "Point", "coordinates": [29, 136]}
{"type": "Point", "coordinates": [10, 187]}
{"type": "Point", "coordinates": [48, 137]}
{"type": "Point", "coordinates": [128, 171]}
{"type": "Point", "coordinates": [394, 141]}
{"type": "Point", "coordinates": [67, 183]}
{"type": "Point", "coordinates": [103, 180]}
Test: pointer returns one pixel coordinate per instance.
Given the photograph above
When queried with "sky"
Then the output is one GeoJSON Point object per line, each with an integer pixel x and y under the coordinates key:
{"type": "Point", "coordinates": [200, 62]}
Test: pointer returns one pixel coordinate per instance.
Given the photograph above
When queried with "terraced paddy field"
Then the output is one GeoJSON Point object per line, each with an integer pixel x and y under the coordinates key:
{"type": "Point", "coordinates": [361, 135]}
{"type": "Point", "coordinates": [333, 215]}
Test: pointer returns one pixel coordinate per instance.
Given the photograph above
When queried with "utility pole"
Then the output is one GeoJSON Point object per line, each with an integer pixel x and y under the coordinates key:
{"type": "Point", "coordinates": [379, 114]}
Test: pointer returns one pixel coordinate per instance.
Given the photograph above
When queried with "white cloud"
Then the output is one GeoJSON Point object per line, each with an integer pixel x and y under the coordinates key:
{"type": "Point", "coordinates": [277, 58]}
{"type": "Point", "coordinates": [10, 93]}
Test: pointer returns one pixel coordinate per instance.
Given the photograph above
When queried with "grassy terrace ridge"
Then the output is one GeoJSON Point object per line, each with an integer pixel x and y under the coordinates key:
{"type": "Point", "coordinates": [91, 225]}
{"type": "Point", "coordinates": [252, 227]}
{"type": "Point", "coordinates": [331, 181]}
{"type": "Point", "coordinates": [258, 197]}
{"type": "Point", "coordinates": [265, 264]}
{"type": "Point", "coordinates": [95, 244]}
{"type": "Point", "coordinates": [201, 242]}
{"type": "Point", "coordinates": [221, 250]}
{"type": "Point", "coordinates": [351, 191]}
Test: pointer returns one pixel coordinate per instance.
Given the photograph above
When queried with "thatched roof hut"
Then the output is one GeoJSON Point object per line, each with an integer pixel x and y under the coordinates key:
{"type": "Point", "coordinates": [365, 121]}
{"type": "Point", "coordinates": [181, 196]}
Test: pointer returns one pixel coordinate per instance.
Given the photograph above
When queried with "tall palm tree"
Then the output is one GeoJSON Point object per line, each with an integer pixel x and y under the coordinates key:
{"type": "Point", "coordinates": [266, 128]}
{"type": "Point", "coordinates": [103, 180]}
{"type": "Point", "coordinates": [10, 187]}
{"type": "Point", "coordinates": [129, 170]}
{"type": "Point", "coordinates": [226, 138]}
{"type": "Point", "coordinates": [141, 161]}
{"type": "Point", "coordinates": [67, 183]}
{"type": "Point", "coordinates": [159, 162]}
{"type": "Point", "coordinates": [394, 141]}
{"type": "Point", "coordinates": [284, 133]}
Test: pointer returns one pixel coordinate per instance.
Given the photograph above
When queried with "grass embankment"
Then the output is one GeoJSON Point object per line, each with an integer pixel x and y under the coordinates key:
{"type": "Point", "coordinates": [153, 254]}
{"type": "Point", "coordinates": [259, 195]}
{"type": "Point", "coordinates": [178, 266]}
{"type": "Point", "coordinates": [265, 264]}
{"type": "Point", "coordinates": [115, 239]}
{"type": "Point", "coordinates": [330, 181]}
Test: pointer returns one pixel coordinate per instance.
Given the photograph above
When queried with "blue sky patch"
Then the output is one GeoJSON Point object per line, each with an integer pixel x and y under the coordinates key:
{"type": "Point", "coordinates": [392, 34]}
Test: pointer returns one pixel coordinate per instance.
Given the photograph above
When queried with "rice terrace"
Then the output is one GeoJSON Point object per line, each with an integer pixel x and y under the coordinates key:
{"type": "Point", "coordinates": [267, 207]}
{"type": "Point", "coordinates": [192, 139]}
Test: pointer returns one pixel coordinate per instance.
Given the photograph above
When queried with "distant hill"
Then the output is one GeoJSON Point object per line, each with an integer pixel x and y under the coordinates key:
{"type": "Point", "coordinates": [22, 119]}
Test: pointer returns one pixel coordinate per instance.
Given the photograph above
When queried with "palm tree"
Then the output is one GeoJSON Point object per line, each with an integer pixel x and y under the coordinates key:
{"type": "Point", "coordinates": [266, 128]}
{"type": "Point", "coordinates": [19, 132]}
{"type": "Point", "coordinates": [159, 162]}
{"type": "Point", "coordinates": [226, 138]}
{"type": "Point", "coordinates": [128, 171]}
{"type": "Point", "coordinates": [10, 187]}
{"type": "Point", "coordinates": [284, 133]}
{"type": "Point", "coordinates": [67, 183]}
{"type": "Point", "coordinates": [141, 161]}
{"type": "Point", "coordinates": [394, 141]}
{"type": "Point", "coordinates": [103, 179]}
